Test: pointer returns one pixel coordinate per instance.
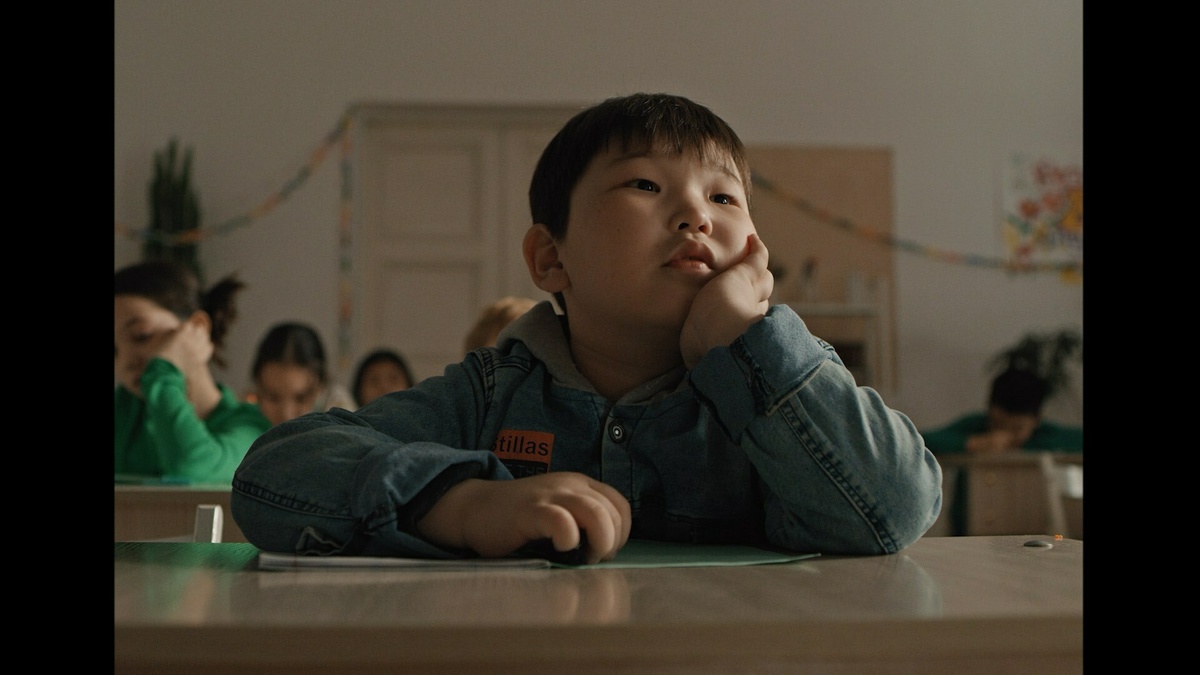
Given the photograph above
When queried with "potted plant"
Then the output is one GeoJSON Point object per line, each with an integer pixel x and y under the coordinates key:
{"type": "Point", "coordinates": [1049, 355]}
{"type": "Point", "coordinates": [174, 210]}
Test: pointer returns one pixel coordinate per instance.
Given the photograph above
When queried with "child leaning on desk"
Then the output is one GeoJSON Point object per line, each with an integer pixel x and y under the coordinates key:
{"type": "Point", "coordinates": [172, 419]}
{"type": "Point", "coordinates": [1012, 422]}
{"type": "Point", "coordinates": [664, 399]}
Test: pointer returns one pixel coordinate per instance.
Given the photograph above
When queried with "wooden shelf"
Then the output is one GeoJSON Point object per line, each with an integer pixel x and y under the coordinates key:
{"type": "Point", "coordinates": [877, 367]}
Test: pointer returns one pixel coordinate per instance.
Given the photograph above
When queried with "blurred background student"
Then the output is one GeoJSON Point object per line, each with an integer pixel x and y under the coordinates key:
{"type": "Point", "coordinates": [1011, 422]}
{"type": "Point", "coordinates": [172, 419]}
{"type": "Point", "coordinates": [380, 372]}
{"type": "Point", "coordinates": [493, 319]}
{"type": "Point", "coordinates": [291, 375]}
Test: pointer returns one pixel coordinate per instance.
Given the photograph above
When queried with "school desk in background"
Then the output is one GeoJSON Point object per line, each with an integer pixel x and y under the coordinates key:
{"type": "Point", "coordinates": [149, 508]}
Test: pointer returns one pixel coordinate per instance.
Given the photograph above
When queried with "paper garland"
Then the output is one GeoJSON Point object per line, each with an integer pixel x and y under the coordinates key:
{"type": "Point", "coordinates": [761, 183]}
{"type": "Point", "coordinates": [1070, 271]}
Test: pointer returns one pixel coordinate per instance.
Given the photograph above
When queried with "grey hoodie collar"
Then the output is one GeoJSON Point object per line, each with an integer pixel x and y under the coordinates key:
{"type": "Point", "coordinates": [541, 331]}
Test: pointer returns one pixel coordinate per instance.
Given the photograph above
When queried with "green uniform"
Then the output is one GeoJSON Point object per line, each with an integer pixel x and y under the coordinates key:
{"type": "Point", "coordinates": [952, 438]}
{"type": "Point", "coordinates": [161, 435]}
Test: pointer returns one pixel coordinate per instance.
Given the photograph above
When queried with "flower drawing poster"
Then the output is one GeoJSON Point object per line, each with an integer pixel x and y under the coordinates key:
{"type": "Point", "coordinates": [1043, 212]}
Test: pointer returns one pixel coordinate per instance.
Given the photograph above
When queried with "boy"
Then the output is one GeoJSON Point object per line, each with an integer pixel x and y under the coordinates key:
{"type": "Point", "coordinates": [664, 400]}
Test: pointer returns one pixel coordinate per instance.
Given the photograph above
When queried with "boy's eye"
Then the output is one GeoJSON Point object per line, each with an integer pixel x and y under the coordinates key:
{"type": "Point", "coordinates": [723, 199]}
{"type": "Point", "coordinates": [643, 184]}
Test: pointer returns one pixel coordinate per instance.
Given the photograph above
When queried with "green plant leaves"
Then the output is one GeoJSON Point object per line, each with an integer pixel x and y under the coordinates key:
{"type": "Point", "coordinates": [1046, 354]}
{"type": "Point", "coordinates": [174, 209]}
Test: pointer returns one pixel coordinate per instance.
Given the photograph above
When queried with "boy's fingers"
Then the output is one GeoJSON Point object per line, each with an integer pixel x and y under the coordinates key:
{"type": "Point", "coordinates": [595, 515]}
{"type": "Point", "coordinates": [559, 524]}
{"type": "Point", "coordinates": [756, 271]}
{"type": "Point", "coordinates": [756, 252]}
{"type": "Point", "coordinates": [622, 514]}
{"type": "Point", "coordinates": [595, 508]}
{"type": "Point", "coordinates": [754, 266]}
{"type": "Point", "coordinates": [597, 521]}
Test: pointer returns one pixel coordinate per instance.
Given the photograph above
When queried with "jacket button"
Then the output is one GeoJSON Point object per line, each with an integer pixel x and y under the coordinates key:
{"type": "Point", "coordinates": [616, 432]}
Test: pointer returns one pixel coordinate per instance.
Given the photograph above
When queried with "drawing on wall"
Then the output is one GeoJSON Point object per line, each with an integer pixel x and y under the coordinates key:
{"type": "Point", "coordinates": [1043, 211]}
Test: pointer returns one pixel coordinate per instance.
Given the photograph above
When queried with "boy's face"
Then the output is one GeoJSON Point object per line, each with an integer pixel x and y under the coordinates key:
{"type": "Point", "coordinates": [646, 232]}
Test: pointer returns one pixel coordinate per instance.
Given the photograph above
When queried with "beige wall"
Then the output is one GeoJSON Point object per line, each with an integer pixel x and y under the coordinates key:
{"type": "Point", "coordinates": [951, 87]}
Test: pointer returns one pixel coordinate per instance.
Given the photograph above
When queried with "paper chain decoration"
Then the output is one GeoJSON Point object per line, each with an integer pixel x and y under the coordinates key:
{"type": "Point", "coordinates": [340, 136]}
{"type": "Point", "coordinates": [1021, 264]}
{"type": "Point", "coordinates": [761, 183]}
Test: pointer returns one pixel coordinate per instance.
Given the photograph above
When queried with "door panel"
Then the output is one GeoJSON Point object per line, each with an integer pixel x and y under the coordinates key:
{"type": "Point", "coordinates": [442, 208]}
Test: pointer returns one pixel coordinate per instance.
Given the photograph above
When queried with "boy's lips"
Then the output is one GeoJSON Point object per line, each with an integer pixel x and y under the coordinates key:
{"type": "Point", "coordinates": [691, 253]}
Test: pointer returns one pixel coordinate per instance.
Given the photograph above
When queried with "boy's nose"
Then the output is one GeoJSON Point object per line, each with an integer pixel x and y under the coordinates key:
{"type": "Point", "coordinates": [696, 217]}
{"type": "Point", "coordinates": [701, 225]}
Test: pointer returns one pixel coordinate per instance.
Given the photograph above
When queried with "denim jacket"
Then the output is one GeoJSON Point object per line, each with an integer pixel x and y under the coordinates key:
{"type": "Point", "coordinates": [767, 441]}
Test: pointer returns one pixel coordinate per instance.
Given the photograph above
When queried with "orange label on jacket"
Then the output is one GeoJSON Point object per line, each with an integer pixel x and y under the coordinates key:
{"type": "Point", "coordinates": [525, 453]}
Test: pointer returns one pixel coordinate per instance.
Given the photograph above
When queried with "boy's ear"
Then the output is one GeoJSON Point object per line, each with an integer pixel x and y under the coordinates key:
{"type": "Point", "coordinates": [541, 257]}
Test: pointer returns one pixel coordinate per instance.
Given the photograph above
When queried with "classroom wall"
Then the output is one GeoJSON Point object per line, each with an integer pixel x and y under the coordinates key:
{"type": "Point", "coordinates": [952, 87]}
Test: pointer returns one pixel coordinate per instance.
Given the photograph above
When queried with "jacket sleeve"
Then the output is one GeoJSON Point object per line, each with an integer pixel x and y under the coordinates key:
{"type": "Point", "coordinates": [356, 483]}
{"type": "Point", "coordinates": [202, 450]}
{"type": "Point", "coordinates": [841, 471]}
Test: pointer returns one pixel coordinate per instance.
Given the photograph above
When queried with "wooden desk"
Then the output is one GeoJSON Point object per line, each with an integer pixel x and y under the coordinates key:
{"type": "Point", "coordinates": [1007, 494]}
{"type": "Point", "coordinates": [156, 511]}
{"type": "Point", "coordinates": [944, 605]}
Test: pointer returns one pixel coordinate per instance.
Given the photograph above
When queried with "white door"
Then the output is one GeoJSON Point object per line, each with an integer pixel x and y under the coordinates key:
{"type": "Point", "coordinates": [440, 202]}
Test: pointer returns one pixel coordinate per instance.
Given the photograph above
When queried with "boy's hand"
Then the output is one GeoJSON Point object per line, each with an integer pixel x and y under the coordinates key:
{"type": "Point", "coordinates": [728, 304]}
{"type": "Point", "coordinates": [496, 517]}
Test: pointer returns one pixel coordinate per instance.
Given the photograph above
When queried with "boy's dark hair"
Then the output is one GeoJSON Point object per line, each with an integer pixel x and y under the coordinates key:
{"type": "Point", "coordinates": [378, 356]}
{"type": "Point", "coordinates": [293, 344]}
{"type": "Point", "coordinates": [1018, 391]}
{"type": "Point", "coordinates": [638, 122]}
{"type": "Point", "coordinates": [176, 288]}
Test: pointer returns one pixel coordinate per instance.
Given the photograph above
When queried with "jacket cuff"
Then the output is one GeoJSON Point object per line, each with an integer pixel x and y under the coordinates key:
{"type": "Point", "coordinates": [766, 363]}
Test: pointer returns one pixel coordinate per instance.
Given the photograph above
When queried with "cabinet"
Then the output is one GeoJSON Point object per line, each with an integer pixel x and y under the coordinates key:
{"type": "Point", "coordinates": [861, 333]}
{"type": "Point", "coordinates": [825, 214]}
{"type": "Point", "coordinates": [143, 512]}
{"type": "Point", "coordinates": [1014, 493]}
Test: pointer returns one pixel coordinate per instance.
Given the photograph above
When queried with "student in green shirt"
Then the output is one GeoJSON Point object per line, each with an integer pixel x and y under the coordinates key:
{"type": "Point", "coordinates": [172, 420]}
{"type": "Point", "coordinates": [1012, 423]}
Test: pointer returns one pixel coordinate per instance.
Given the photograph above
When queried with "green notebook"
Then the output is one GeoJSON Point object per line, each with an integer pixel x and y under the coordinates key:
{"type": "Point", "coordinates": [637, 553]}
